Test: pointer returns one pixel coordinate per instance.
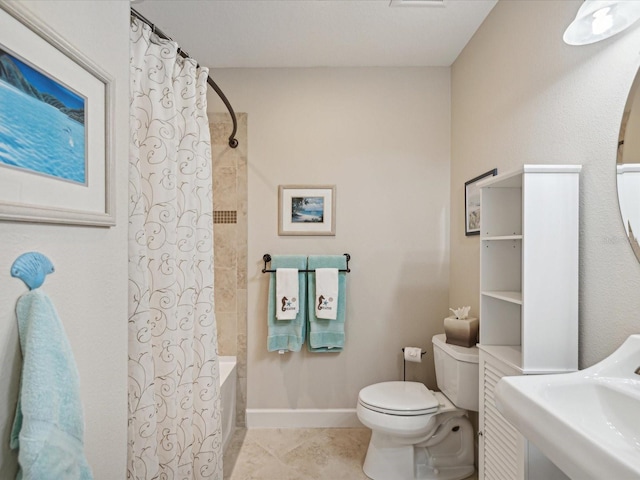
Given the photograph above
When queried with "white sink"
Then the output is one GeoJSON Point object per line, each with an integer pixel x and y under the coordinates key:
{"type": "Point", "coordinates": [586, 422]}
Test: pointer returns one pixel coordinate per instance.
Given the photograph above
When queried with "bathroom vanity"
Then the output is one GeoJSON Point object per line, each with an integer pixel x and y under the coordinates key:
{"type": "Point", "coordinates": [585, 421]}
{"type": "Point", "coordinates": [528, 301]}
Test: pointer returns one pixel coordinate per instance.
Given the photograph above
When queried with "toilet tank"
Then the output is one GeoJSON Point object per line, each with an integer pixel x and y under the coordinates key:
{"type": "Point", "coordinates": [456, 372]}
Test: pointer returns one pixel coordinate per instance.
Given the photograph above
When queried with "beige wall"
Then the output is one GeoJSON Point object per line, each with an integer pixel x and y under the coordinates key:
{"type": "Point", "coordinates": [89, 286]}
{"type": "Point", "coordinates": [382, 136]}
{"type": "Point", "coordinates": [520, 95]}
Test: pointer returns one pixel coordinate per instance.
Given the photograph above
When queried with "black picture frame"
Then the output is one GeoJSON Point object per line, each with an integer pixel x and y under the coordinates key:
{"type": "Point", "coordinates": [472, 207]}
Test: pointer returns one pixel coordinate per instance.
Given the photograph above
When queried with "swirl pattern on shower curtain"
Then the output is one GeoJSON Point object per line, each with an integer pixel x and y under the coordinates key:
{"type": "Point", "coordinates": [174, 404]}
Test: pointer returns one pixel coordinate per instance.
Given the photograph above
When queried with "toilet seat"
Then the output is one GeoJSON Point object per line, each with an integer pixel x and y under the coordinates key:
{"type": "Point", "coordinates": [399, 398]}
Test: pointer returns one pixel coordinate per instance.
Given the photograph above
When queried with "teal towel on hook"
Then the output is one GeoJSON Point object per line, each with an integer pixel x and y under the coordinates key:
{"type": "Point", "coordinates": [287, 335]}
{"type": "Point", "coordinates": [326, 336]}
{"type": "Point", "coordinates": [48, 429]}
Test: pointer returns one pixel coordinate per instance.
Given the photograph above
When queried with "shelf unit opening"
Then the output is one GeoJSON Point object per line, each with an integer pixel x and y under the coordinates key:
{"type": "Point", "coordinates": [501, 265]}
{"type": "Point", "coordinates": [505, 327]}
{"type": "Point", "coordinates": [501, 211]}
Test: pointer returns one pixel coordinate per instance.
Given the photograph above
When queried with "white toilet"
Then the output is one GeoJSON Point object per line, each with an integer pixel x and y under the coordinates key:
{"type": "Point", "coordinates": [420, 434]}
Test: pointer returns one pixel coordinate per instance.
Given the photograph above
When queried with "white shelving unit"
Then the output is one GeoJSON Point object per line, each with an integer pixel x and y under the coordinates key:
{"type": "Point", "coordinates": [529, 267]}
{"type": "Point", "coordinates": [528, 298]}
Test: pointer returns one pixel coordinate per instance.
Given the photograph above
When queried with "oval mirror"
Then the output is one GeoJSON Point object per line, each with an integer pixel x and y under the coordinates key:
{"type": "Point", "coordinates": [628, 166]}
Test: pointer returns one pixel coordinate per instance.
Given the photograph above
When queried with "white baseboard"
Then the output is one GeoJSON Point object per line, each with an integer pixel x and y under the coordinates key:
{"type": "Point", "coordinates": [302, 418]}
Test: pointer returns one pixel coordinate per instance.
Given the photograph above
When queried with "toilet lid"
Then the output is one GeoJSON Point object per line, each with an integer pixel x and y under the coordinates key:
{"type": "Point", "coordinates": [399, 398]}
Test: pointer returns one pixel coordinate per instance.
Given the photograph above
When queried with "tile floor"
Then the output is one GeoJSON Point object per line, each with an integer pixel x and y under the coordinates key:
{"type": "Point", "coordinates": [297, 454]}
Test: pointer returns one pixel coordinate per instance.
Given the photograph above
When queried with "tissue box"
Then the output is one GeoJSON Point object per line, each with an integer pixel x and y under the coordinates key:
{"type": "Point", "coordinates": [462, 332]}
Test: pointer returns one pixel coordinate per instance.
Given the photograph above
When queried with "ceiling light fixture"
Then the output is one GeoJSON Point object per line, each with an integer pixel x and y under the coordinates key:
{"type": "Point", "coordinates": [600, 19]}
{"type": "Point", "coordinates": [417, 3]}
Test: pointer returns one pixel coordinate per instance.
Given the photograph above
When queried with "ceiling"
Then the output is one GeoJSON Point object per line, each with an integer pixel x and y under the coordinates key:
{"type": "Point", "coordinates": [317, 33]}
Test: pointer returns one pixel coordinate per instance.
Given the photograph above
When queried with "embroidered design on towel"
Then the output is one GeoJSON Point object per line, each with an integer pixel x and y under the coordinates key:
{"type": "Point", "coordinates": [326, 293]}
{"type": "Point", "coordinates": [323, 303]}
{"type": "Point", "coordinates": [289, 305]}
{"type": "Point", "coordinates": [287, 293]}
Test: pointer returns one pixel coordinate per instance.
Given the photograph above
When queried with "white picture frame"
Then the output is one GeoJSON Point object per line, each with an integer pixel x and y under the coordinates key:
{"type": "Point", "coordinates": [33, 194]}
{"type": "Point", "coordinates": [307, 210]}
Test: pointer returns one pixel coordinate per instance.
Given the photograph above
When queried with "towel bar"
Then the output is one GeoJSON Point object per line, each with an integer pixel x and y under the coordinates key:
{"type": "Point", "coordinates": [267, 258]}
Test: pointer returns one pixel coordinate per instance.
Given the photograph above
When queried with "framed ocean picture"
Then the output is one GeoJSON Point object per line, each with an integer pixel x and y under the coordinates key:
{"type": "Point", "coordinates": [307, 210]}
{"type": "Point", "coordinates": [56, 107]}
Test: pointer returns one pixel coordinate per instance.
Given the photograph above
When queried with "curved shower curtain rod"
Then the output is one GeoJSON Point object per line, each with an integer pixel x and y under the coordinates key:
{"type": "Point", "coordinates": [233, 142]}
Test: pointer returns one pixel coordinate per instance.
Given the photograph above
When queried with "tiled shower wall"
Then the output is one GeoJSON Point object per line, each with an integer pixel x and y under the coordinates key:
{"type": "Point", "coordinates": [230, 245]}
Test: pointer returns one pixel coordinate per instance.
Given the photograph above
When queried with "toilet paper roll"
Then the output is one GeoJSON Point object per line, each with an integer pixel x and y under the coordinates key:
{"type": "Point", "coordinates": [413, 354]}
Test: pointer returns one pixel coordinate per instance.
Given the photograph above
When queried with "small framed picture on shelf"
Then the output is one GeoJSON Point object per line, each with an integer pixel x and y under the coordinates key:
{"type": "Point", "coordinates": [472, 205]}
{"type": "Point", "coordinates": [307, 210]}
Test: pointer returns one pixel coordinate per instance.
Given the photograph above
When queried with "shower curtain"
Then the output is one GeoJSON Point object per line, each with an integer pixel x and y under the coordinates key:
{"type": "Point", "coordinates": [174, 404]}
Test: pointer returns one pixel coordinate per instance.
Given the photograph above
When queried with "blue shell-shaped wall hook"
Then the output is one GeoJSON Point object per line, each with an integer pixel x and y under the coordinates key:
{"type": "Point", "coordinates": [32, 268]}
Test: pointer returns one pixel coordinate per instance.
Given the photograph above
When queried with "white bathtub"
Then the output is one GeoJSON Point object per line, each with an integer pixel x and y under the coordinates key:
{"type": "Point", "coordinates": [228, 398]}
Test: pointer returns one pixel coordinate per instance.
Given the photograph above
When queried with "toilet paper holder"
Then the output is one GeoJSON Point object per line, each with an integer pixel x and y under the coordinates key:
{"type": "Point", "coordinates": [404, 364]}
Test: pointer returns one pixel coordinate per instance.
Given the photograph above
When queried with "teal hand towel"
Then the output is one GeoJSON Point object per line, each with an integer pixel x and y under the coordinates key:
{"type": "Point", "coordinates": [287, 334]}
{"type": "Point", "coordinates": [327, 335]}
{"type": "Point", "coordinates": [48, 429]}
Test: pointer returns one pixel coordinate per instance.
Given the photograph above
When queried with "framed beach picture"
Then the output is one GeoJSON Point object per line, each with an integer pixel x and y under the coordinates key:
{"type": "Point", "coordinates": [472, 203]}
{"type": "Point", "coordinates": [307, 210]}
{"type": "Point", "coordinates": [56, 162]}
